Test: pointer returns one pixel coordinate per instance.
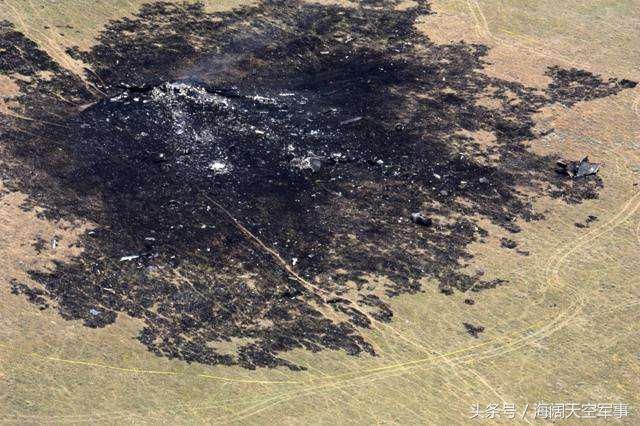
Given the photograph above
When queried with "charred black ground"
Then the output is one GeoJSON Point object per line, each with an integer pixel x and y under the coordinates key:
{"type": "Point", "coordinates": [314, 129]}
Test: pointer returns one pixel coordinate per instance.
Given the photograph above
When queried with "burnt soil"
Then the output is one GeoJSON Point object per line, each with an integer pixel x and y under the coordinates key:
{"type": "Point", "coordinates": [204, 140]}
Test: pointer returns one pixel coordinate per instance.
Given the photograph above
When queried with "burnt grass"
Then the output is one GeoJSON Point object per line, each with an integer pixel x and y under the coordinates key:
{"type": "Point", "coordinates": [320, 129]}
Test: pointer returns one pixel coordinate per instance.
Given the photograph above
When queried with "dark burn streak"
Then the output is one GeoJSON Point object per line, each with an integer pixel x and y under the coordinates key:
{"type": "Point", "coordinates": [318, 128]}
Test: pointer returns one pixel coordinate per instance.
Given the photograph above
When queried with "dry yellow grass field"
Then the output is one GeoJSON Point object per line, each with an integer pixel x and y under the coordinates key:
{"type": "Point", "coordinates": [563, 330]}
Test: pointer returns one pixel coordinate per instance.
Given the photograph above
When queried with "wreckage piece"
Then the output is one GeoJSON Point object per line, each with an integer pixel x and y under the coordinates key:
{"type": "Point", "coordinates": [508, 243]}
{"type": "Point", "coordinates": [350, 121]}
{"type": "Point", "coordinates": [473, 330]}
{"type": "Point", "coordinates": [578, 169]}
{"type": "Point", "coordinates": [420, 219]}
{"type": "Point", "coordinates": [313, 163]}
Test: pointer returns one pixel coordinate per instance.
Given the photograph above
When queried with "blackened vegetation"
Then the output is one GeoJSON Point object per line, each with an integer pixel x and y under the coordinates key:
{"type": "Point", "coordinates": [39, 245]}
{"type": "Point", "coordinates": [21, 55]}
{"type": "Point", "coordinates": [317, 128]}
{"type": "Point", "coordinates": [34, 295]}
{"type": "Point", "coordinates": [573, 85]}
{"type": "Point", "coordinates": [46, 90]}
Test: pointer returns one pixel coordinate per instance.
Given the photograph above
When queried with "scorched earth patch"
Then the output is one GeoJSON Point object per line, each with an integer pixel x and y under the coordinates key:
{"type": "Point", "coordinates": [249, 171]}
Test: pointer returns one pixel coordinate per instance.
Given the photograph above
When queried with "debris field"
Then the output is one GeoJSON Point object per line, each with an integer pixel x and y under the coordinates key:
{"type": "Point", "coordinates": [249, 171]}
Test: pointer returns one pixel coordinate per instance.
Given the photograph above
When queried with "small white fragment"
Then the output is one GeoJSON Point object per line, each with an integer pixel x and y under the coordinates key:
{"type": "Point", "coordinates": [219, 167]}
{"type": "Point", "coordinates": [294, 261]}
{"type": "Point", "coordinates": [307, 163]}
{"type": "Point", "coordinates": [119, 97]}
{"type": "Point", "coordinates": [351, 120]}
{"type": "Point", "coordinates": [128, 258]}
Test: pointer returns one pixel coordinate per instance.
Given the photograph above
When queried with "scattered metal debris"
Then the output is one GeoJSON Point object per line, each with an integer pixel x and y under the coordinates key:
{"type": "Point", "coordinates": [578, 169]}
{"type": "Point", "coordinates": [420, 219]}
{"type": "Point", "coordinates": [445, 288]}
{"type": "Point", "coordinates": [508, 243]}
{"type": "Point", "coordinates": [155, 149]}
{"type": "Point", "coordinates": [130, 257]}
{"type": "Point", "coordinates": [313, 163]}
{"type": "Point", "coordinates": [473, 330]}
{"type": "Point", "coordinates": [350, 121]}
